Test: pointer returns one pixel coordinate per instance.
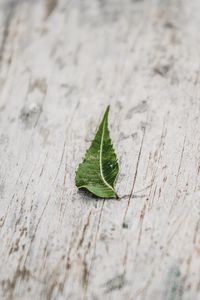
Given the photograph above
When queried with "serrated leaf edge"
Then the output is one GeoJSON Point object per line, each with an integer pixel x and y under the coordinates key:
{"type": "Point", "coordinates": [101, 150]}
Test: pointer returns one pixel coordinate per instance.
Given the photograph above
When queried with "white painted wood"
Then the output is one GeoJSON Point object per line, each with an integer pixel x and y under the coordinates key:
{"type": "Point", "coordinates": [61, 63]}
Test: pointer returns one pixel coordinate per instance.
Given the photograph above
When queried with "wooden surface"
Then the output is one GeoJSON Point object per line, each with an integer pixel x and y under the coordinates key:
{"type": "Point", "coordinates": [61, 63]}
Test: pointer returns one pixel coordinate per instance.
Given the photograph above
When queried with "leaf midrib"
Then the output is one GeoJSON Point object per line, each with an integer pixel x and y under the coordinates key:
{"type": "Point", "coordinates": [100, 159]}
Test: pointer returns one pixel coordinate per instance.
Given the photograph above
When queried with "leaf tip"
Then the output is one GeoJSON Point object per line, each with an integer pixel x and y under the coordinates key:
{"type": "Point", "coordinates": [107, 110]}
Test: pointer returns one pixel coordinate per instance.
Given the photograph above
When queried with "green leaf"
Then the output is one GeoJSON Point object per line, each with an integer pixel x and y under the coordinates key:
{"type": "Point", "coordinates": [98, 171]}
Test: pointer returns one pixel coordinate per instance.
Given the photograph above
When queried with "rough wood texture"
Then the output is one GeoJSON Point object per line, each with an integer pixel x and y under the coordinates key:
{"type": "Point", "coordinates": [61, 63]}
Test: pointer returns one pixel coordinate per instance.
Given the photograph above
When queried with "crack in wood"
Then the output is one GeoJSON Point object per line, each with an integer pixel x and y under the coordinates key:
{"type": "Point", "coordinates": [134, 180]}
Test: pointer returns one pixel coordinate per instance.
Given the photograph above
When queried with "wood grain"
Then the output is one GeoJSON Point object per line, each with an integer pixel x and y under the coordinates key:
{"type": "Point", "coordinates": [61, 63]}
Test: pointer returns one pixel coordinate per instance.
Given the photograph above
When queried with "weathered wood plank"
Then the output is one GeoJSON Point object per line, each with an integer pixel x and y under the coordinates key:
{"type": "Point", "coordinates": [61, 63]}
